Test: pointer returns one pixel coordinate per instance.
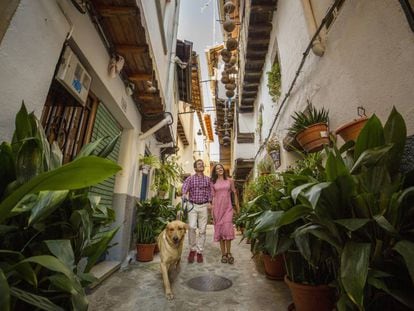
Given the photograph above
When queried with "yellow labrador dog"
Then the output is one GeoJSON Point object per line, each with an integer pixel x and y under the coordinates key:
{"type": "Point", "coordinates": [170, 243]}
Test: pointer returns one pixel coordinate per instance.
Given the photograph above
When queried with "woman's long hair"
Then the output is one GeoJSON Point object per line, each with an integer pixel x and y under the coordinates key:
{"type": "Point", "coordinates": [214, 175]}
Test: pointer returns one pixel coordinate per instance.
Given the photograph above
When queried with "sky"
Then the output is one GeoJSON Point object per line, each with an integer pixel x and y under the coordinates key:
{"type": "Point", "coordinates": [199, 24]}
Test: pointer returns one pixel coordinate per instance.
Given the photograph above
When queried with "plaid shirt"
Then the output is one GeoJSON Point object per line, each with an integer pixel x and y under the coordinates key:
{"type": "Point", "coordinates": [199, 189]}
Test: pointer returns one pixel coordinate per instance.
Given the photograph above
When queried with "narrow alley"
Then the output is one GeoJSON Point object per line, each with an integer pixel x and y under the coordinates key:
{"type": "Point", "coordinates": [140, 286]}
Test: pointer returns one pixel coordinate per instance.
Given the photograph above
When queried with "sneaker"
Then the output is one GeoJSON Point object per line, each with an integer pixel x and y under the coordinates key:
{"type": "Point", "coordinates": [191, 256]}
{"type": "Point", "coordinates": [199, 258]}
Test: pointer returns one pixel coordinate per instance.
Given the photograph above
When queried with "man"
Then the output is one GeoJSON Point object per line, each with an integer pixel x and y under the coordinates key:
{"type": "Point", "coordinates": [197, 190]}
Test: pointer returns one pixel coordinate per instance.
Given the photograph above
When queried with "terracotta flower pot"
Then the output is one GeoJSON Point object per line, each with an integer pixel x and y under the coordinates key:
{"type": "Point", "coordinates": [311, 298]}
{"type": "Point", "coordinates": [274, 267]}
{"type": "Point", "coordinates": [351, 130]}
{"type": "Point", "coordinates": [314, 137]}
{"type": "Point", "coordinates": [145, 252]}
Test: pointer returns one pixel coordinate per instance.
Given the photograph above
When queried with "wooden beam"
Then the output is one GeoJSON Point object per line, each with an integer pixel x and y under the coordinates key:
{"type": "Point", "coordinates": [131, 48]}
{"type": "Point", "coordinates": [262, 7]}
{"type": "Point", "coordinates": [260, 28]}
{"type": "Point", "coordinates": [113, 11]}
{"type": "Point", "coordinates": [140, 77]}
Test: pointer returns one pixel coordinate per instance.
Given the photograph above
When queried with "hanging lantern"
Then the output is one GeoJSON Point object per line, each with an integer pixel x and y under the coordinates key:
{"type": "Point", "coordinates": [233, 61]}
{"type": "Point", "coordinates": [231, 44]}
{"type": "Point", "coordinates": [230, 86]}
{"type": "Point", "coordinates": [229, 7]}
{"type": "Point", "coordinates": [225, 53]}
{"type": "Point", "coordinates": [229, 93]}
{"type": "Point", "coordinates": [229, 24]}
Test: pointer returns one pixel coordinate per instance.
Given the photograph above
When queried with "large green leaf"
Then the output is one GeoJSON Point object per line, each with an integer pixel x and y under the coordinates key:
{"type": "Point", "coordinates": [29, 160]}
{"type": "Point", "coordinates": [406, 250]}
{"type": "Point", "coordinates": [313, 193]}
{"type": "Point", "coordinates": [79, 301]}
{"type": "Point", "coordinates": [23, 127]}
{"type": "Point", "coordinates": [62, 249]}
{"type": "Point", "coordinates": [7, 169]}
{"type": "Point", "coordinates": [4, 292]}
{"type": "Point", "coordinates": [384, 224]}
{"type": "Point", "coordinates": [95, 250]}
{"type": "Point", "coordinates": [35, 300]}
{"type": "Point", "coordinates": [353, 224]}
{"type": "Point", "coordinates": [354, 270]}
{"type": "Point", "coordinates": [78, 174]}
{"type": "Point", "coordinates": [46, 204]}
{"type": "Point", "coordinates": [106, 151]}
{"type": "Point", "coordinates": [88, 149]}
{"type": "Point", "coordinates": [335, 167]}
{"type": "Point", "coordinates": [371, 157]}
{"type": "Point", "coordinates": [403, 295]}
{"type": "Point", "coordinates": [372, 135]}
{"type": "Point", "coordinates": [299, 189]}
{"type": "Point", "coordinates": [43, 142]}
{"type": "Point", "coordinates": [293, 214]}
{"type": "Point", "coordinates": [318, 232]}
{"type": "Point", "coordinates": [395, 132]}
{"type": "Point", "coordinates": [24, 270]}
{"type": "Point", "coordinates": [56, 156]}
{"type": "Point", "coordinates": [267, 221]}
{"type": "Point", "coordinates": [50, 263]}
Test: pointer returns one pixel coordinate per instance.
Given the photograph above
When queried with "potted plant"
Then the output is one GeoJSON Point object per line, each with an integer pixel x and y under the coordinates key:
{"type": "Point", "coordinates": [310, 129]}
{"type": "Point", "coordinates": [350, 131]}
{"type": "Point", "coordinates": [167, 174]}
{"type": "Point", "coordinates": [265, 166]}
{"type": "Point", "coordinates": [146, 162]}
{"type": "Point", "coordinates": [146, 227]}
{"type": "Point", "coordinates": [274, 82]}
{"type": "Point", "coordinates": [361, 215]}
{"type": "Point", "coordinates": [273, 149]}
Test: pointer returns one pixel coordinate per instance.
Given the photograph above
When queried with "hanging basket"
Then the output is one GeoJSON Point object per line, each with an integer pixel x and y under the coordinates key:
{"type": "Point", "coordinates": [230, 86]}
{"type": "Point", "coordinates": [232, 44]}
{"type": "Point", "coordinates": [229, 24]}
{"type": "Point", "coordinates": [225, 53]}
{"type": "Point", "coordinates": [314, 137]}
{"type": "Point", "coordinates": [229, 7]}
{"type": "Point", "coordinates": [351, 130]}
{"type": "Point", "coordinates": [229, 93]}
{"type": "Point", "coordinates": [225, 79]}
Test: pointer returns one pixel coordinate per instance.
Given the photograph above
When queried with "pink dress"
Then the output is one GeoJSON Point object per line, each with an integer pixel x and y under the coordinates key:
{"type": "Point", "coordinates": [223, 210]}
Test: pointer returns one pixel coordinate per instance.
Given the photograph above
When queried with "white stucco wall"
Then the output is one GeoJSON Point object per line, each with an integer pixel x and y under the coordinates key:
{"type": "Point", "coordinates": [29, 53]}
{"type": "Point", "coordinates": [369, 62]}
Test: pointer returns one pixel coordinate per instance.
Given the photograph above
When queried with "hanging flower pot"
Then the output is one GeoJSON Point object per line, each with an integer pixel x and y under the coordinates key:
{"type": "Point", "coordinates": [351, 130]}
{"type": "Point", "coordinates": [232, 44]}
{"type": "Point", "coordinates": [314, 137]}
{"type": "Point", "coordinates": [229, 93]}
{"type": "Point", "coordinates": [231, 70]}
{"type": "Point", "coordinates": [233, 61]}
{"type": "Point", "coordinates": [225, 53]}
{"type": "Point", "coordinates": [225, 79]}
{"type": "Point", "coordinates": [229, 24]}
{"type": "Point", "coordinates": [230, 86]}
{"type": "Point", "coordinates": [229, 7]}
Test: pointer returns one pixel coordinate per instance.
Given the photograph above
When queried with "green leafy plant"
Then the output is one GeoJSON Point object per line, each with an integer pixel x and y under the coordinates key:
{"type": "Point", "coordinates": [272, 144]}
{"type": "Point", "coordinates": [310, 116]}
{"type": "Point", "coordinates": [274, 81]}
{"type": "Point", "coordinates": [167, 174]}
{"type": "Point", "coordinates": [48, 222]}
{"type": "Point", "coordinates": [265, 166]}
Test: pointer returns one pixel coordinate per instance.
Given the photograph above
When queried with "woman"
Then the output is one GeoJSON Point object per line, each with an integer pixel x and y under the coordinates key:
{"type": "Point", "coordinates": [222, 186]}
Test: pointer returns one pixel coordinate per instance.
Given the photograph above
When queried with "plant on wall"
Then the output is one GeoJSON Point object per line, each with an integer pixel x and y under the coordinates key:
{"type": "Point", "coordinates": [274, 81]}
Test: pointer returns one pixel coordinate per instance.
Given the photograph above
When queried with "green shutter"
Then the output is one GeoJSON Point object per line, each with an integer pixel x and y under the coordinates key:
{"type": "Point", "coordinates": [106, 126]}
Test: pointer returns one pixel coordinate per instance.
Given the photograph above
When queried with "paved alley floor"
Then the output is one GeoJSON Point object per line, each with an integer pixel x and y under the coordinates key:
{"type": "Point", "coordinates": [140, 286]}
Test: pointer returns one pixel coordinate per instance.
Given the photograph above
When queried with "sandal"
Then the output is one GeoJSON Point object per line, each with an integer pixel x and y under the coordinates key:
{"type": "Point", "coordinates": [224, 258]}
{"type": "Point", "coordinates": [230, 258]}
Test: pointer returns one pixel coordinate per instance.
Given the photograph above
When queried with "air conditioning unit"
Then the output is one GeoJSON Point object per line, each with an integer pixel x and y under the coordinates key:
{"type": "Point", "coordinates": [73, 76]}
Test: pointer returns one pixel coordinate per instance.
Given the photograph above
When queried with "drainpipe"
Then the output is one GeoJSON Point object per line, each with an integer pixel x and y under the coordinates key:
{"type": "Point", "coordinates": [318, 47]}
{"type": "Point", "coordinates": [168, 120]}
